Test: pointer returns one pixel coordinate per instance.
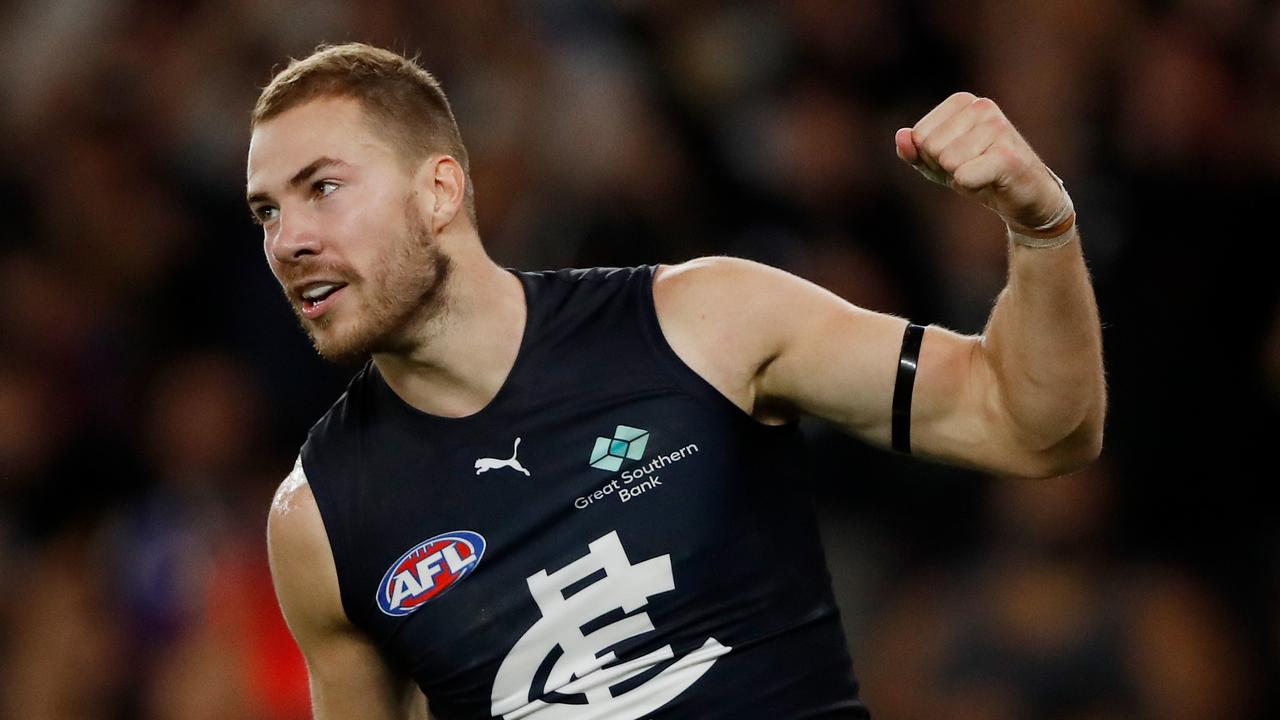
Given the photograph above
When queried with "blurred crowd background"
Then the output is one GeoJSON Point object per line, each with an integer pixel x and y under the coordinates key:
{"type": "Point", "coordinates": [154, 386]}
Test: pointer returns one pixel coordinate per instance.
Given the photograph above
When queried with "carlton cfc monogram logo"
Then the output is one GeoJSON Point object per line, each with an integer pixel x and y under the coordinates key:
{"type": "Point", "coordinates": [429, 570]}
{"type": "Point", "coordinates": [564, 667]}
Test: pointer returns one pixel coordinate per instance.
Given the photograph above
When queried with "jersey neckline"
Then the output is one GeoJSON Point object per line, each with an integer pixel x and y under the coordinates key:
{"type": "Point", "coordinates": [530, 320]}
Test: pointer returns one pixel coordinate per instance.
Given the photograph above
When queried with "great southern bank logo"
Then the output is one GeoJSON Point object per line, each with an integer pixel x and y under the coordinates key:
{"type": "Point", "coordinates": [429, 570]}
{"type": "Point", "coordinates": [627, 443]}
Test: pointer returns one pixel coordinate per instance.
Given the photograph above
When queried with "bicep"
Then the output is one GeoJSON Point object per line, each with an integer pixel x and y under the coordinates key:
{"type": "Point", "coordinates": [349, 677]}
{"type": "Point", "coordinates": [839, 362]}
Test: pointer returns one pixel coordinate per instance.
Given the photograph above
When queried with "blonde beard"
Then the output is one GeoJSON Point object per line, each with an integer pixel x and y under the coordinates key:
{"type": "Point", "coordinates": [406, 292]}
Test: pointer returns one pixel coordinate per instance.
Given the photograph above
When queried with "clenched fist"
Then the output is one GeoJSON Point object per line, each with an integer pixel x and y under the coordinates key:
{"type": "Point", "coordinates": [967, 144]}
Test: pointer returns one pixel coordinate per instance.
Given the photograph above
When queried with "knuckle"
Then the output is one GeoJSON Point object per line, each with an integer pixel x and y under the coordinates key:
{"type": "Point", "coordinates": [985, 104]}
{"type": "Point", "coordinates": [964, 181]}
{"type": "Point", "coordinates": [964, 177]}
{"type": "Point", "coordinates": [963, 95]}
{"type": "Point", "coordinates": [949, 159]}
{"type": "Point", "coordinates": [993, 121]}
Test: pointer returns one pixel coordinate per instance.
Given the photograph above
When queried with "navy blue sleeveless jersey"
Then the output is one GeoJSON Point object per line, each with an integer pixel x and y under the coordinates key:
{"type": "Point", "coordinates": [609, 538]}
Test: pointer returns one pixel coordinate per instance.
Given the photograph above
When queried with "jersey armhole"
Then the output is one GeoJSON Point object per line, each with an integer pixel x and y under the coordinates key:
{"type": "Point", "coordinates": [685, 377]}
{"type": "Point", "coordinates": [337, 545]}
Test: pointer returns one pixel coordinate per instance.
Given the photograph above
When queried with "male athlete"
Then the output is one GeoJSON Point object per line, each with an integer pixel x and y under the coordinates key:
{"type": "Point", "coordinates": [645, 551]}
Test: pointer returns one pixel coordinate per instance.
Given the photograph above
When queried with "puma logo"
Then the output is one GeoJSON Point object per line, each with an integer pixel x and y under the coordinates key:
{"type": "Point", "coordinates": [486, 464]}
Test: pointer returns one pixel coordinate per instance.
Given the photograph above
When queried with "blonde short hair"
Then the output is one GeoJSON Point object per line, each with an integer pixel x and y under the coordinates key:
{"type": "Point", "coordinates": [403, 102]}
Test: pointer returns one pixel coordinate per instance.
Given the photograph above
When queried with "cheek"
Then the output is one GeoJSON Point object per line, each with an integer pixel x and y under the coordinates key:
{"type": "Point", "coordinates": [272, 263]}
{"type": "Point", "coordinates": [366, 226]}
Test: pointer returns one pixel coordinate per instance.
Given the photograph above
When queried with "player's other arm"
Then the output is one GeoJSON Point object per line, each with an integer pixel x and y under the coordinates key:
{"type": "Point", "coordinates": [349, 679]}
{"type": "Point", "coordinates": [1024, 398]}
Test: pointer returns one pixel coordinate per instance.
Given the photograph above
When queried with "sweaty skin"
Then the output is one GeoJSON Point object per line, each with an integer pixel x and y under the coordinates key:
{"type": "Point", "coordinates": [283, 502]}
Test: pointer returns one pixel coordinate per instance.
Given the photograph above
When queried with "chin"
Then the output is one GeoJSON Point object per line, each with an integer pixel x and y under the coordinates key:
{"type": "Point", "coordinates": [341, 345]}
{"type": "Point", "coordinates": [353, 343]}
{"type": "Point", "coordinates": [347, 356]}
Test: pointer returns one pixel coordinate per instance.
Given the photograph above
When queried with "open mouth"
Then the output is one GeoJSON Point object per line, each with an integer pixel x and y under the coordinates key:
{"type": "Point", "coordinates": [318, 297]}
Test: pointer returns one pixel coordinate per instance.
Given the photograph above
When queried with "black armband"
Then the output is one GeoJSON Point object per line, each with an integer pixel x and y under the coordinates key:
{"type": "Point", "coordinates": [907, 361]}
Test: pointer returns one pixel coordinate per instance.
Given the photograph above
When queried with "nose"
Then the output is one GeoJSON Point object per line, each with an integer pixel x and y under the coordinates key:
{"type": "Point", "coordinates": [295, 237]}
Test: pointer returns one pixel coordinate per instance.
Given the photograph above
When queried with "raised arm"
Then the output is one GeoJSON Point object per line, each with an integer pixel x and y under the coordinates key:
{"type": "Point", "coordinates": [349, 679]}
{"type": "Point", "coordinates": [1025, 398]}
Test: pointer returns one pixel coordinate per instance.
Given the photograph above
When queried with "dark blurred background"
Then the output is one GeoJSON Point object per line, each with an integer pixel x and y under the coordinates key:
{"type": "Point", "coordinates": [154, 387]}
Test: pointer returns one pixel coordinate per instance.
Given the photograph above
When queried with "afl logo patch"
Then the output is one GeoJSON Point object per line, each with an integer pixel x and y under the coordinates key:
{"type": "Point", "coordinates": [429, 570]}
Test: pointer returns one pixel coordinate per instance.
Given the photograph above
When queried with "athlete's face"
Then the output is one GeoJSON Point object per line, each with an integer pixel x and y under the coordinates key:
{"type": "Point", "coordinates": [342, 230]}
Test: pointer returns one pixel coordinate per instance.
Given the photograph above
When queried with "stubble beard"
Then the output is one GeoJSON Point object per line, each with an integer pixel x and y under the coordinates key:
{"type": "Point", "coordinates": [404, 295]}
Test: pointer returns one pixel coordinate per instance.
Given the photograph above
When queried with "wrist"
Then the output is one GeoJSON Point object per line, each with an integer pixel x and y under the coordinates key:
{"type": "Point", "coordinates": [1037, 242]}
{"type": "Point", "coordinates": [1054, 232]}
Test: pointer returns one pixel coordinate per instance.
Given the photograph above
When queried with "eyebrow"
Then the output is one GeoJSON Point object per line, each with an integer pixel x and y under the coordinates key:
{"type": "Point", "coordinates": [300, 177]}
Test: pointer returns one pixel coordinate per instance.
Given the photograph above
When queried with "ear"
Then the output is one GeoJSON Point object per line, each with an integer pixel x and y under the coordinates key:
{"type": "Point", "coordinates": [444, 187]}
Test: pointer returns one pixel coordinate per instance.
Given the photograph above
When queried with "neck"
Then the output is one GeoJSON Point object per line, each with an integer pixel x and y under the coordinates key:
{"type": "Point", "coordinates": [459, 359]}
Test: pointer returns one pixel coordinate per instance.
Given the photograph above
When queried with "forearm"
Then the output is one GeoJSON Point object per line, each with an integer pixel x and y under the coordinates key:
{"type": "Point", "coordinates": [1041, 353]}
{"type": "Point", "coordinates": [1043, 343]}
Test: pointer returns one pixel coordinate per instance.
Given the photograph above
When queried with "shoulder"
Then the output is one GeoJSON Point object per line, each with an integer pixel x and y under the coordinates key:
{"type": "Point", "coordinates": [725, 317]}
{"type": "Point", "coordinates": [713, 268]}
{"type": "Point", "coordinates": [348, 676]}
{"type": "Point", "coordinates": [293, 506]}
{"type": "Point", "coordinates": [723, 283]}
{"type": "Point", "coordinates": [720, 295]}
{"type": "Point", "coordinates": [302, 565]}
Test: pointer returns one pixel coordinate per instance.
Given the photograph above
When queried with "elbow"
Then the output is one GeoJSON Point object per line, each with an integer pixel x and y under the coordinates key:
{"type": "Point", "coordinates": [1083, 445]}
{"type": "Point", "coordinates": [1073, 453]}
{"type": "Point", "coordinates": [1075, 445]}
